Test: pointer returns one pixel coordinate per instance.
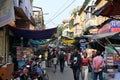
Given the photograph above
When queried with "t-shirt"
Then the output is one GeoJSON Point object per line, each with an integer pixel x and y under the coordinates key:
{"type": "Point", "coordinates": [75, 60]}
{"type": "Point", "coordinates": [85, 62]}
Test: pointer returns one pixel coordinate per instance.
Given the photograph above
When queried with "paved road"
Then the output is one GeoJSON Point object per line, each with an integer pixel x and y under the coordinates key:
{"type": "Point", "coordinates": [66, 75]}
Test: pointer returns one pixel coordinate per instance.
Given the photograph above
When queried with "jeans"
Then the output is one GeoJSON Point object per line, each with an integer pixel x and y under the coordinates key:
{"type": "Point", "coordinates": [62, 64]}
{"type": "Point", "coordinates": [92, 73]}
{"type": "Point", "coordinates": [76, 73]}
{"type": "Point", "coordinates": [100, 74]}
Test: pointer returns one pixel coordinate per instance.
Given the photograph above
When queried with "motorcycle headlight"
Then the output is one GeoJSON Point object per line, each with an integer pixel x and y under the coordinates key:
{"type": "Point", "coordinates": [27, 66]}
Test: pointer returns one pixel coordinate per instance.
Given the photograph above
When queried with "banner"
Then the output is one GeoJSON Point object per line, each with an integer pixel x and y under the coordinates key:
{"type": "Point", "coordinates": [6, 12]}
{"type": "Point", "coordinates": [68, 41]}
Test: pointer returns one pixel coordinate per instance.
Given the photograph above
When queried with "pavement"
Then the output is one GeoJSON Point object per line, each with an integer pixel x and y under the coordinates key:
{"type": "Point", "coordinates": [68, 74]}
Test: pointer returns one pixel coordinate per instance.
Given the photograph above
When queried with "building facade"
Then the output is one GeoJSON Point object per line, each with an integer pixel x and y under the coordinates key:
{"type": "Point", "coordinates": [21, 12]}
{"type": "Point", "coordinates": [38, 16]}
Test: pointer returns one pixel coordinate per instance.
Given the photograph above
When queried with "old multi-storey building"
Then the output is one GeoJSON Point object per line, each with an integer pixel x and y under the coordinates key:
{"type": "Point", "coordinates": [15, 13]}
{"type": "Point", "coordinates": [91, 21]}
{"type": "Point", "coordinates": [38, 16]}
{"type": "Point", "coordinates": [82, 17]}
{"type": "Point", "coordinates": [68, 30]}
{"type": "Point", "coordinates": [23, 13]}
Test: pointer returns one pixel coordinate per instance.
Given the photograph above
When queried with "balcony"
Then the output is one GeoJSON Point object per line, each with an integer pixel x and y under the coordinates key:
{"type": "Point", "coordinates": [91, 22]}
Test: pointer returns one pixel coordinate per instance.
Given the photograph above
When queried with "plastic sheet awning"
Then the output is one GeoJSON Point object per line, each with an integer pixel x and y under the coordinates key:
{"type": "Point", "coordinates": [102, 35]}
{"type": "Point", "coordinates": [33, 34]}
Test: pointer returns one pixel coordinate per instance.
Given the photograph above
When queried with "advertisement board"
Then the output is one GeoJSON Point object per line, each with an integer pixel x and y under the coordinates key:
{"type": "Point", "coordinates": [112, 58]}
{"type": "Point", "coordinates": [115, 26]}
{"type": "Point", "coordinates": [83, 44]}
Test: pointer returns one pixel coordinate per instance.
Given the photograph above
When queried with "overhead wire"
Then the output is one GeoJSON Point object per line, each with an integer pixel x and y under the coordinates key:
{"type": "Point", "coordinates": [61, 11]}
{"type": "Point", "coordinates": [58, 10]}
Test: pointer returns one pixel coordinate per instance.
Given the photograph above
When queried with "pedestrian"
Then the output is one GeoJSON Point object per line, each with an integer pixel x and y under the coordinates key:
{"type": "Point", "coordinates": [85, 64]}
{"type": "Point", "coordinates": [62, 56]}
{"type": "Point", "coordinates": [98, 64]}
{"type": "Point", "coordinates": [54, 57]}
{"type": "Point", "coordinates": [76, 61]}
{"type": "Point", "coordinates": [49, 57]}
{"type": "Point", "coordinates": [91, 68]}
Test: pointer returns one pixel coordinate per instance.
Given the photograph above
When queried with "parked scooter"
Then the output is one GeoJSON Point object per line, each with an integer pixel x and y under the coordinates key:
{"type": "Point", "coordinates": [36, 71]}
{"type": "Point", "coordinates": [25, 75]}
{"type": "Point", "coordinates": [22, 73]}
{"type": "Point", "coordinates": [16, 74]}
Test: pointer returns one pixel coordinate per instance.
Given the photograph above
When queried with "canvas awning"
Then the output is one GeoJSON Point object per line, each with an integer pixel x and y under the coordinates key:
{"type": "Point", "coordinates": [33, 34]}
{"type": "Point", "coordinates": [110, 9]}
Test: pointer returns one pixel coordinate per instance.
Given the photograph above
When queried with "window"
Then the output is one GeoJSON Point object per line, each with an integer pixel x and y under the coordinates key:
{"type": "Point", "coordinates": [20, 2]}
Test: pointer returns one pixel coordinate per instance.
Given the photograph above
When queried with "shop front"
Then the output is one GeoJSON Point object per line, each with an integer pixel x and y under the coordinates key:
{"type": "Point", "coordinates": [25, 43]}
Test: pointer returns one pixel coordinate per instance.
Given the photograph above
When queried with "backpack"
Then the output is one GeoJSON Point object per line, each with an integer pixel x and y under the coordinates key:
{"type": "Point", "coordinates": [61, 55]}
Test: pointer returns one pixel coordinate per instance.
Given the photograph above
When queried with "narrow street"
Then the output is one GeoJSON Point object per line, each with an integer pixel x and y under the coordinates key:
{"type": "Point", "coordinates": [66, 75]}
{"type": "Point", "coordinates": [39, 33]}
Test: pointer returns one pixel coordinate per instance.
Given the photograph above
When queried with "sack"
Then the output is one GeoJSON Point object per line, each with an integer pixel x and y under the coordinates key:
{"type": "Point", "coordinates": [66, 63]}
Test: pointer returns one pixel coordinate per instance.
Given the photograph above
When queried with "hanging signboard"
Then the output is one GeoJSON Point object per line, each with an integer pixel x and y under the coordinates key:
{"type": "Point", "coordinates": [83, 44]}
{"type": "Point", "coordinates": [115, 26]}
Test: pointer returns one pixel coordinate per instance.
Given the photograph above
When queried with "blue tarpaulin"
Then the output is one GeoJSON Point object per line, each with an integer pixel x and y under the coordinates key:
{"type": "Point", "coordinates": [33, 34]}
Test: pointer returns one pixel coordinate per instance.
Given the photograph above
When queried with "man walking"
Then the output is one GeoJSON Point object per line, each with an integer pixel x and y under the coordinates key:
{"type": "Point", "coordinates": [98, 64]}
{"type": "Point", "coordinates": [76, 61]}
{"type": "Point", "coordinates": [62, 55]}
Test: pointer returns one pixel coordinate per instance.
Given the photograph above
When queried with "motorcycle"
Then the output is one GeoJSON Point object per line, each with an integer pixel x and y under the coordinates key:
{"type": "Point", "coordinates": [21, 73]}
{"type": "Point", "coordinates": [36, 73]}
{"type": "Point", "coordinates": [16, 75]}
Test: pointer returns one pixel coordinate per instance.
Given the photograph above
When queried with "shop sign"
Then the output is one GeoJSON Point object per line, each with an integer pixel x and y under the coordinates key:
{"type": "Point", "coordinates": [115, 26]}
{"type": "Point", "coordinates": [83, 44]}
{"type": "Point", "coordinates": [68, 41]}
